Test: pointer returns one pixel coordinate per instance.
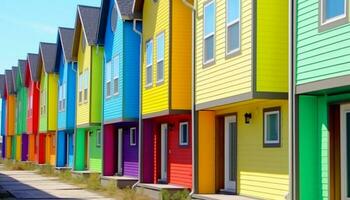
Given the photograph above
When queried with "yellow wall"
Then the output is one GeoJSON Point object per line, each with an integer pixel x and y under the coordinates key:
{"type": "Point", "coordinates": [181, 63]}
{"type": "Point", "coordinates": [18, 147]}
{"type": "Point", "coordinates": [272, 46]}
{"type": "Point", "coordinates": [11, 112]}
{"type": "Point", "coordinates": [228, 76]}
{"type": "Point", "coordinates": [155, 21]}
{"type": "Point", "coordinates": [8, 146]}
{"type": "Point", "coordinates": [257, 165]}
{"type": "Point", "coordinates": [84, 62]}
{"type": "Point", "coordinates": [52, 101]}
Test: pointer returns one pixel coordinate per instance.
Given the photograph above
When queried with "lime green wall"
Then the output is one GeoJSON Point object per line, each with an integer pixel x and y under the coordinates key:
{"type": "Point", "coordinates": [95, 161]}
{"type": "Point", "coordinates": [96, 84]}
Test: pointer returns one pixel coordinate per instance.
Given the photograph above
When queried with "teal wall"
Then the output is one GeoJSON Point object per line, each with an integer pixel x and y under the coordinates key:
{"type": "Point", "coordinates": [319, 55]}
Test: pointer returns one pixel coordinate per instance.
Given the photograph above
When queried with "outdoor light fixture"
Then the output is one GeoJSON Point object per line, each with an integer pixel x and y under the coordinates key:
{"type": "Point", "coordinates": [248, 117]}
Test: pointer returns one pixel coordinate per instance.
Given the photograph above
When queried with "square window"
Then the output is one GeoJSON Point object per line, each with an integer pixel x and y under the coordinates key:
{"type": "Point", "coordinates": [183, 133]}
{"type": "Point", "coordinates": [209, 32]}
{"type": "Point", "coordinates": [98, 138]}
{"type": "Point", "coordinates": [133, 136]}
{"type": "Point", "coordinates": [272, 127]}
{"type": "Point", "coordinates": [160, 58]}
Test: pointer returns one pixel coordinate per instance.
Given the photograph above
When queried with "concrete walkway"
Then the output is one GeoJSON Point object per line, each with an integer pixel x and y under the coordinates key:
{"type": "Point", "coordinates": [29, 185]}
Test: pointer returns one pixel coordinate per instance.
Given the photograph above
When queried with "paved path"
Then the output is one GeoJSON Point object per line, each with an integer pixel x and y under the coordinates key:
{"type": "Point", "coordinates": [29, 185]}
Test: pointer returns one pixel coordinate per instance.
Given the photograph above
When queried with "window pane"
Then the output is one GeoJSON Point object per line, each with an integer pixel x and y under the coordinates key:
{"type": "Point", "coordinates": [116, 86]}
{"type": "Point", "coordinates": [334, 8]}
{"type": "Point", "coordinates": [233, 37]}
{"type": "Point", "coordinates": [85, 94]}
{"type": "Point", "coordinates": [108, 89]}
{"type": "Point", "coordinates": [149, 75]}
{"type": "Point", "coordinates": [209, 19]}
{"type": "Point", "coordinates": [209, 48]}
{"type": "Point", "coordinates": [183, 134]}
{"type": "Point", "coordinates": [149, 55]}
{"type": "Point", "coordinates": [233, 8]}
{"type": "Point", "coordinates": [272, 127]}
{"type": "Point", "coordinates": [116, 67]}
{"type": "Point", "coordinates": [108, 72]}
{"type": "Point", "coordinates": [160, 47]}
{"type": "Point", "coordinates": [160, 70]}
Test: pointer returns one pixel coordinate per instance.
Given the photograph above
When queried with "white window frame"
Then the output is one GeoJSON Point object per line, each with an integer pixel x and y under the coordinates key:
{"type": "Point", "coordinates": [133, 132]}
{"type": "Point", "coordinates": [80, 87]}
{"type": "Point", "coordinates": [64, 95]}
{"type": "Point", "coordinates": [277, 142]}
{"type": "Point", "coordinates": [181, 133]}
{"type": "Point", "coordinates": [109, 79]}
{"type": "Point", "coordinates": [116, 63]}
{"type": "Point", "coordinates": [228, 24]}
{"type": "Point", "coordinates": [86, 85]}
{"type": "Point", "coordinates": [150, 65]}
{"type": "Point", "coordinates": [325, 21]}
{"type": "Point", "coordinates": [209, 34]}
{"type": "Point", "coordinates": [161, 35]}
{"type": "Point", "coordinates": [59, 98]}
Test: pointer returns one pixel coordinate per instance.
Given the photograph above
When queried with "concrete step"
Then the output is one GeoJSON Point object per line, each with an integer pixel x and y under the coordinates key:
{"type": "Point", "coordinates": [120, 181]}
{"type": "Point", "coordinates": [154, 191]}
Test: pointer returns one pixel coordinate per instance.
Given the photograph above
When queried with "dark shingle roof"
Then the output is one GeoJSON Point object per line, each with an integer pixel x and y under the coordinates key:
{"type": "Point", "coordinates": [2, 85]}
{"type": "Point", "coordinates": [87, 20]}
{"type": "Point", "coordinates": [22, 69]}
{"type": "Point", "coordinates": [48, 56]}
{"type": "Point", "coordinates": [66, 38]}
{"type": "Point", "coordinates": [137, 8]}
{"type": "Point", "coordinates": [103, 21]}
{"type": "Point", "coordinates": [125, 8]}
{"type": "Point", "coordinates": [14, 76]}
{"type": "Point", "coordinates": [33, 60]}
{"type": "Point", "coordinates": [9, 81]}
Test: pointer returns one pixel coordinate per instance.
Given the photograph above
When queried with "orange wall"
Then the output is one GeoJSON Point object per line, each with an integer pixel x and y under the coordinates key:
{"type": "Point", "coordinates": [11, 112]}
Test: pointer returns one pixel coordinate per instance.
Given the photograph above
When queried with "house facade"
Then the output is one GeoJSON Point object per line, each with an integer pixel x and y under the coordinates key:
{"type": "Point", "coordinates": [322, 98]}
{"type": "Point", "coordinates": [121, 88]}
{"type": "Point", "coordinates": [48, 103]}
{"type": "Point", "coordinates": [32, 80]}
{"type": "Point", "coordinates": [3, 95]}
{"type": "Point", "coordinates": [241, 91]}
{"type": "Point", "coordinates": [166, 148]}
{"type": "Point", "coordinates": [89, 57]}
{"type": "Point", "coordinates": [10, 116]}
{"type": "Point", "coordinates": [66, 98]}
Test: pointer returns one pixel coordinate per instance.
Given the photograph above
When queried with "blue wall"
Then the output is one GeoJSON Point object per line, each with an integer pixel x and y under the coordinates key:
{"type": "Point", "coordinates": [3, 116]}
{"type": "Point", "coordinates": [62, 78]}
{"type": "Point", "coordinates": [125, 43]}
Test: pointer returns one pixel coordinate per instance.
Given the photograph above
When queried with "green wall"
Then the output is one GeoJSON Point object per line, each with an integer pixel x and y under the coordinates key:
{"type": "Point", "coordinates": [95, 161]}
{"type": "Point", "coordinates": [96, 81]}
{"type": "Point", "coordinates": [79, 149]}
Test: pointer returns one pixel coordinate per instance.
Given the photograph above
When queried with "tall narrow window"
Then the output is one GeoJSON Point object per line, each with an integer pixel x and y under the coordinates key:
{"type": "Point", "coordinates": [149, 59]}
{"type": "Point", "coordinates": [86, 85]}
{"type": "Point", "coordinates": [98, 138]}
{"type": "Point", "coordinates": [133, 136]}
{"type": "Point", "coordinates": [209, 32]}
{"type": "Point", "coordinates": [272, 127]}
{"type": "Point", "coordinates": [108, 78]}
{"type": "Point", "coordinates": [64, 95]}
{"type": "Point", "coordinates": [160, 58]}
{"type": "Point", "coordinates": [183, 133]}
{"type": "Point", "coordinates": [232, 26]}
{"type": "Point", "coordinates": [80, 86]}
{"type": "Point", "coordinates": [60, 98]}
{"type": "Point", "coordinates": [116, 75]}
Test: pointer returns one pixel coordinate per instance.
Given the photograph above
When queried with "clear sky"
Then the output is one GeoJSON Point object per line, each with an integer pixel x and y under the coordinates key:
{"type": "Point", "coordinates": [25, 23]}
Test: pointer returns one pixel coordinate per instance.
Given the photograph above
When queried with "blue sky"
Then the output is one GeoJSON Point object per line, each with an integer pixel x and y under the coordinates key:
{"type": "Point", "coordinates": [25, 23]}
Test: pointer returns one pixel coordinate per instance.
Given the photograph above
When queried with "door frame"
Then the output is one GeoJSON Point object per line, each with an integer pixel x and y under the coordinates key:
{"type": "Point", "coordinates": [87, 148]}
{"type": "Point", "coordinates": [120, 152]}
{"type": "Point", "coordinates": [163, 153]}
{"type": "Point", "coordinates": [344, 109]}
{"type": "Point", "coordinates": [230, 186]}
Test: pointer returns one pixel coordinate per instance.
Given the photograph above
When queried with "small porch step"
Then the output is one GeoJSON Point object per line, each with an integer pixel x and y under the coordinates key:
{"type": "Point", "coordinates": [83, 174]}
{"type": "Point", "coordinates": [220, 197]}
{"type": "Point", "coordinates": [120, 181]}
{"type": "Point", "coordinates": [154, 191]}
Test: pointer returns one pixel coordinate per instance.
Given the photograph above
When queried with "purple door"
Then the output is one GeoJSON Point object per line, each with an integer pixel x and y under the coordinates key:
{"type": "Point", "coordinates": [130, 151]}
{"type": "Point", "coordinates": [24, 147]}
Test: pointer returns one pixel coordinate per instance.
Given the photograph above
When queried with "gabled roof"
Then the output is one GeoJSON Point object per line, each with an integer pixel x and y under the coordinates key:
{"type": "Point", "coordinates": [14, 76]}
{"type": "Point", "coordinates": [65, 36]}
{"type": "Point", "coordinates": [124, 9]}
{"type": "Point", "coordinates": [87, 20]}
{"type": "Point", "coordinates": [137, 8]}
{"type": "Point", "coordinates": [22, 70]}
{"type": "Point", "coordinates": [2, 85]}
{"type": "Point", "coordinates": [34, 70]}
{"type": "Point", "coordinates": [47, 55]}
{"type": "Point", "coordinates": [9, 81]}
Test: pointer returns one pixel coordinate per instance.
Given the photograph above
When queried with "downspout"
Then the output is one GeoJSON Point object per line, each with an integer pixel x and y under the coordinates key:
{"type": "Point", "coordinates": [140, 104]}
{"type": "Point", "coordinates": [291, 106]}
{"type": "Point", "coordinates": [193, 109]}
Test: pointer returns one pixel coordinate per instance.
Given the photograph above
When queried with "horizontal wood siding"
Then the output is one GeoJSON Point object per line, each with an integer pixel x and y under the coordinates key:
{"type": "Point", "coordinates": [96, 84]}
{"type": "Point", "coordinates": [113, 105]}
{"type": "Point", "coordinates": [319, 55]}
{"type": "Point", "coordinates": [272, 46]}
{"type": "Point", "coordinates": [33, 117]}
{"type": "Point", "coordinates": [131, 71]}
{"type": "Point", "coordinates": [71, 95]}
{"type": "Point", "coordinates": [181, 60]}
{"type": "Point", "coordinates": [227, 76]}
{"type": "Point", "coordinates": [62, 115]}
{"type": "Point", "coordinates": [52, 97]}
{"type": "Point", "coordinates": [95, 153]}
{"type": "Point", "coordinates": [155, 21]}
{"type": "Point", "coordinates": [11, 112]}
{"type": "Point", "coordinates": [3, 117]}
{"type": "Point", "coordinates": [43, 116]}
{"type": "Point", "coordinates": [130, 154]}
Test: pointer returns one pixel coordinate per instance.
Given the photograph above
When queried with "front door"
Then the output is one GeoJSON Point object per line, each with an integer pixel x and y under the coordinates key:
{"type": "Point", "coordinates": [164, 153]}
{"type": "Point", "coordinates": [120, 152]}
{"type": "Point", "coordinates": [230, 153]}
{"type": "Point", "coordinates": [345, 149]}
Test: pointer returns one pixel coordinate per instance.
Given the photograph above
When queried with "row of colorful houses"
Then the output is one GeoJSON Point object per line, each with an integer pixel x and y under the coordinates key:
{"type": "Point", "coordinates": [220, 97]}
